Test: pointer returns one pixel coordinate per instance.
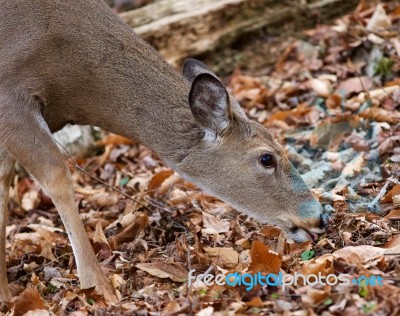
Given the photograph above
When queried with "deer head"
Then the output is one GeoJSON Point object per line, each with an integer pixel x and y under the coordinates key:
{"type": "Point", "coordinates": [238, 161]}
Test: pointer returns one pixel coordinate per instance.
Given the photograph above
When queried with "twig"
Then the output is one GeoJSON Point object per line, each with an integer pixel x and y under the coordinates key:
{"type": "Point", "coordinates": [381, 193]}
{"type": "Point", "coordinates": [190, 288]}
{"type": "Point", "coordinates": [43, 265]}
{"type": "Point", "coordinates": [76, 165]}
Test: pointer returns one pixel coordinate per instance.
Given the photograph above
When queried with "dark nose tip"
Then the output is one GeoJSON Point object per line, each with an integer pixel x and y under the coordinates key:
{"type": "Point", "coordinates": [323, 220]}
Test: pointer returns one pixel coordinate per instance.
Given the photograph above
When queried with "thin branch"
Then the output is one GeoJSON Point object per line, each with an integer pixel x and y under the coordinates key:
{"type": "Point", "coordinates": [79, 168]}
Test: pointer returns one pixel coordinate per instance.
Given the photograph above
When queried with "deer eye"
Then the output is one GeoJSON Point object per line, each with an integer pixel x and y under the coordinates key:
{"type": "Point", "coordinates": [267, 160]}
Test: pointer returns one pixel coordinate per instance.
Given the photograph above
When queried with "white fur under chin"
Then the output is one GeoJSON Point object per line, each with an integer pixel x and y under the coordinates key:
{"type": "Point", "coordinates": [299, 236]}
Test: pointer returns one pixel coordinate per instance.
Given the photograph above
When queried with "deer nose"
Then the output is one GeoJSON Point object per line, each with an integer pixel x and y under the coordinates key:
{"type": "Point", "coordinates": [323, 220]}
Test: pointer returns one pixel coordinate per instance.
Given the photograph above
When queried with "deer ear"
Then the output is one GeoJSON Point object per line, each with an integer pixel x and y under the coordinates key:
{"type": "Point", "coordinates": [209, 103]}
{"type": "Point", "coordinates": [192, 68]}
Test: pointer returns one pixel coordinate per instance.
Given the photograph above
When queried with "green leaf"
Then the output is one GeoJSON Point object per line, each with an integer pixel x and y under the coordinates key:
{"type": "Point", "coordinates": [255, 310]}
{"type": "Point", "coordinates": [384, 66]}
{"type": "Point", "coordinates": [202, 292]}
{"type": "Point", "coordinates": [307, 255]}
{"type": "Point", "coordinates": [363, 291]}
{"type": "Point", "coordinates": [90, 301]}
{"type": "Point", "coordinates": [328, 301]}
{"type": "Point", "coordinates": [275, 295]}
{"type": "Point", "coordinates": [124, 181]}
{"type": "Point", "coordinates": [369, 307]}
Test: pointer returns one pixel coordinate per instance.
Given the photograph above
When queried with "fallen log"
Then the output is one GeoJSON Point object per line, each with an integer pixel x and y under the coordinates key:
{"type": "Point", "coordinates": [182, 28]}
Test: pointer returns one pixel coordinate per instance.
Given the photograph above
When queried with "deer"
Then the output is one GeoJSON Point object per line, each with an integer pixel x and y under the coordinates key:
{"type": "Point", "coordinates": [76, 62]}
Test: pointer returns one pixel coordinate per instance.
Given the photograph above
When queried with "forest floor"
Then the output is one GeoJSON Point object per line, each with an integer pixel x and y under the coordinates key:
{"type": "Point", "coordinates": [332, 99]}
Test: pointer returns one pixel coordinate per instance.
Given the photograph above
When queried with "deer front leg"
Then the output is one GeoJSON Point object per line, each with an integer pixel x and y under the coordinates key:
{"type": "Point", "coordinates": [32, 146]}
{"type": "Point", "coordinates": [6, 171]}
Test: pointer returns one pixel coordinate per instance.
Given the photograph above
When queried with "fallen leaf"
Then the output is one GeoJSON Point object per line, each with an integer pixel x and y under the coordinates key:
{"type": "Point", "coordinates": [255, 302]}
{"type": "Point", "coordinates": [218, 225]}
{"type": "Point", "coordinates": [103, 199]}
{"type": "Point", "coordinates": [354, 166]}
{"type": "Point", "coordinates": [30, 200]}
{"type": "Point", "coordinates": [158, 179]}
{"type": "Point", "coordinates": [393, 192]}
{"type": "Point", "coordinates": [320, 87]}
{"type": "Point", "coordinates": [263, 259]}
{"type": "Point", "coordinates": [389, 144]}
{"type": "Point", "coordinates": [314, 297]}
{"type": "Point", "coordinates": [41, 312]}
{"type": "Point", "coordinates": [381, 115]}
{"type": "Point", "coordinates": [114, 139]}
{"type": "Point", "coordinates": [270, 231]}
{"type": "Point", "coordinates": [174, 271]}
{"type": "Point", "coordinates": [172, 307]}
{"type": "Point", "coordinates": [28, 300]}
{"type": "Point", "coordinates": [333, 101]}
{"type": "Point", "coordinates": [322, 265]}
{"type": "Point", "coordinates": [101, 246]}
{"type": "Point", "coordinates": [223, 256]}
{"type": "Point", "coordinates": [379, 20]}
{"type": "Point", "coordinates": [208, 311]}
{"type": "Point", "coordinates": [130, 232]}
{"type": "Point", "coordinates": [393, 242]}
{"type": "Point", "coordinates": [354, 85]}
{"type": "Point", "coordinates": [359, 254]}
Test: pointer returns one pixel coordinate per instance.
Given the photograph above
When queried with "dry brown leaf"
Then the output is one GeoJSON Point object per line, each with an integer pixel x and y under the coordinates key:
{"type": "Point", "coordinates": [30, 200]}
{"type": "Point", "coordinates": [48, 239]}
{"type": "Point", "coordinates": [393, 215]}
{"type": "Point", "coordinates": [389, 144]}
{"type": "Point", "coordinates": [354, 166]}
{"type": "Point", "coordinates": [114, 139]}
{"type": "Point", "coordinates": [255, 302]}
{"type": "Point", "coordinates": [103, 199]}
{"type": "Point", "coordinates": [208, 311]}
{"type": "Point", "coordinates": [213, 223]}
{"type": "Point", "coordinates": [99, 236]}
{"type": "Point", "coordinates": [172, 307]}
{"type": "Point", "coordinates": [130, 232]}
{"type": "Point", "coordinates": [357, 142]}
{"type": "Point", "coordinates": [246, 88]}
{"type": "Point", "coordinates": [223, 256]}
{"type": "Point", "coordinates": [359, 254]}
{"type": "Point", "coordinates": [87, 190]}
{"type": "Point", "coordinates": [314, 297]}
{"type": "Point", "coordinates": [270, 231]}
{"type": "Point", "coordinates": [396, 200]}
{"type": "Point", "coordinates": [381, 115]}
{"type": "Point", "coordinates": [322, 264]}
{"type": "Point", "coordinates": [178, 196]}
{"type": "Point", "coordinates": [28, 300]}
{"type": "Point", "coordinates": [101, 246]}
{"type": "Point", "coordinates": [320, 87]}
{"type": "Point", "coordinates": [393, 192]}
{"type": "Point", "coordinates": [168, 183]}
{"type": "Point", "coordinates": [379, 20]}
{"type": "Point", "coordinates": [174, 271]}
{"type": "Point", "coordinates": [393, 242]}
{"type": "Point", "coordinates": [264, 259]}
{"type": "Point", "coordinates": [354, 85]}
{"type": "Point", "coordinates": [333, 101]}
{"type": "Point", "coordinates": [41, 312]}
{"type": "Point", "coordinates": [158, 179]}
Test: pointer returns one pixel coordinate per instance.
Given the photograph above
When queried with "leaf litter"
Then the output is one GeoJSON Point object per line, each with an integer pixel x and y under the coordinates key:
{"type": "Point", "coordinates": [333, 102]}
